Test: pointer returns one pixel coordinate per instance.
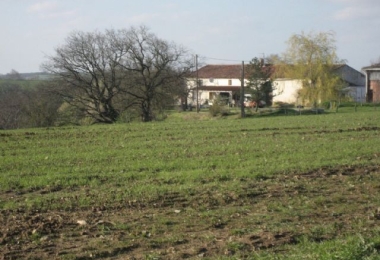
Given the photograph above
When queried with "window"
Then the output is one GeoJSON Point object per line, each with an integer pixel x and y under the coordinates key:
{"type": "Point", "coordinates": [229, 82]}
{"type": "Point", "coordinates": [212, 95]}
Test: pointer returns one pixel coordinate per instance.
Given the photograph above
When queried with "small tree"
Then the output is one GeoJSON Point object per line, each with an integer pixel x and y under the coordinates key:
{"type": "Point", "coordinates": [311, 58]}
{"type": "Point", "coordinates": [260, 84]}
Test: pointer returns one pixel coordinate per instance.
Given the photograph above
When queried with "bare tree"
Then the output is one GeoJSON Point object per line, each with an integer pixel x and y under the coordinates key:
{"type": "Point", "coordinates": [104, 74]}
{"type": "Point", "coordinates": [88, 69]}
{"type": "Point", "coordinates": [156, 70]}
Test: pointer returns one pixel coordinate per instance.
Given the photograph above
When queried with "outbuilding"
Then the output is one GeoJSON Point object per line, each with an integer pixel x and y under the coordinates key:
{"type": "Point", "coordinates": [372, 83]}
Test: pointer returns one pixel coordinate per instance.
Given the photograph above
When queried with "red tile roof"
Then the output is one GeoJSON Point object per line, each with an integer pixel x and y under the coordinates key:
{"type": "Point", "coordinates": [220, 71]}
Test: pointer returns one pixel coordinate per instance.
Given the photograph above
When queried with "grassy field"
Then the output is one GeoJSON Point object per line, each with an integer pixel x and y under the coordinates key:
{"type": "Point", "coordinates": [25, 84]}
{"type": "Point", "coordinates": [190, 187]}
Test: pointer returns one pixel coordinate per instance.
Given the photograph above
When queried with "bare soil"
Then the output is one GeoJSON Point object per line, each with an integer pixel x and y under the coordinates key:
{"type": "Point", "coordinates": [264, 214]}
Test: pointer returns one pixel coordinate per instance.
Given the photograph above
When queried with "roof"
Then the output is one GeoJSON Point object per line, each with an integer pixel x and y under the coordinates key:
{"type": "Point", "coordinates": [220, 71]}
{"type": "Point", "coordinates": [372, 67]}
{"type": "Point", "coordinates": [233, 71]}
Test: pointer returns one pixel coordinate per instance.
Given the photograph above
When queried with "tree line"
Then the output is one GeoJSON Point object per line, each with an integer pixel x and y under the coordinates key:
{"type": "Point", "coordinates": [23, 106]}
{"type": "Point", "coordinates": [115, 75]}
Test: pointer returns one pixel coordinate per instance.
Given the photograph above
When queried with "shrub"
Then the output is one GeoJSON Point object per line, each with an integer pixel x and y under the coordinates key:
{"type": "Point", "coordinates": [218, 108]}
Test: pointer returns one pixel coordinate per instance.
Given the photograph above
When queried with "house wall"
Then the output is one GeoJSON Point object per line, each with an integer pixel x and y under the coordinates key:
{"type": "Point", "coordinates": [206, 96]}
{"type": "Point", "coordinates": [287, 91]}
{"type": "Point", "coordinates": [374, 86]}
{"type": "Point", "coordinates": [220, 82]}
{"type": "Point", "coordinates": [356, 81]}
{"type": "Point", "coordinates": [357, 94]}
{"type": "Point", "coordinates": [351, 75]}
{"type": "Point", "coordinates": [375, 90]}
{"type": "Point", "coordinates": [374, 75]}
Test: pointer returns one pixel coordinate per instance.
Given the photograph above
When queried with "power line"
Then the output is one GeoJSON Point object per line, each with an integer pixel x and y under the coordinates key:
{"type": "Point", "coordinates": [221, 59]}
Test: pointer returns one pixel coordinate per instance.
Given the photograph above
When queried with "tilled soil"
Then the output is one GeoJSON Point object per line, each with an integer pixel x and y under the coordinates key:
{"type": "Point", "coordinates": [264, 214]}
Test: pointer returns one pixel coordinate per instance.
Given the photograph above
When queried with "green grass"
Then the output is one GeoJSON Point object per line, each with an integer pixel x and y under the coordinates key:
{"type": "Point", "coordinates": [214, 170]}
{"type": "Point", "coordinates": [184, 152]}
{"type": "Point", "coordinates": [25, 84]}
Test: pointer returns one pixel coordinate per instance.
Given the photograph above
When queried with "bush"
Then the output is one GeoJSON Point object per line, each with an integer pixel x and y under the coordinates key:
{"type": "Point", "coordinates": [218, 108]}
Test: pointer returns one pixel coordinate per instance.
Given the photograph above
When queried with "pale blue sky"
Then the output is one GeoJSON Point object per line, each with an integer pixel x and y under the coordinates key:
{"type": "Point", "coordinates": [222, 29]}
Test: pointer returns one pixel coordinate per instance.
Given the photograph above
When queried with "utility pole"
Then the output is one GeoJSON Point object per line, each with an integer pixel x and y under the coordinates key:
{"type": "Point", "coordinates": [196, 69]}
{"type": "Point", "coordinates": [242, 109]}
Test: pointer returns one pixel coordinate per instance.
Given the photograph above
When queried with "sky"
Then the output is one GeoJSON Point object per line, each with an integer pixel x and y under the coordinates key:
{"type": "Point", "coordinates": [219, 31]}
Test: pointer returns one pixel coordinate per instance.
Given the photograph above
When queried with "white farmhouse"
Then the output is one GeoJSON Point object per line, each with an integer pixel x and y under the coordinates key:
{"type": "Point", "coordinates": [215, 80]}
{"type": "Point", "coordinates": [225, 81]}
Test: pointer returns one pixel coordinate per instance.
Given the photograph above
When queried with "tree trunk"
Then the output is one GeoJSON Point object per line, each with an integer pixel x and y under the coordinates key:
{"type": "Point", "coordinates": [146, 113]}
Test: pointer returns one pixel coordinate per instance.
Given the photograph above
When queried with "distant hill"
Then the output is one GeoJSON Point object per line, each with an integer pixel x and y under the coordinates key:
{"type": "Point", "coordinates": [28, 76]}
{"type": "Point", "coordinates": [24, 80]}
{"type": "Point", "coordinates": [36, 76]}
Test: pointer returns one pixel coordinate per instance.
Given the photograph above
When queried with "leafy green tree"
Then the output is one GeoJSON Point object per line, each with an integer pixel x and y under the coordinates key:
{"type": "Point", "coordinates": [260, 84]}
{"type": "Point", "coordinates": [311, 58]}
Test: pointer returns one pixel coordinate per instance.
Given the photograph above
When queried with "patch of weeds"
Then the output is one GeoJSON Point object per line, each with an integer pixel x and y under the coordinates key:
{"type": "Point", "coordinates": [319, 234]}
{"type": "Point", "coordinates": [224, 177]}
{"type": "Point", "coordinates": [351, 248]}
{"type": "Point", "coordinates": [104, 229]}
{"type": "Point", "coordinates": [234, 247]}
{"type": "Point", "coordinates": [218, 222]}
{"type": "Point", "coordinates": [122, 226]}
{"type": "Point", "coordinates": [239, 232]}
{"type": "Point", "coordinates": [152, 257]}
{"type": "Point", "coordinates": [36, 237]}
{"type": "Point", "coordinates": [277, 206]}
{"type": "Point", "coordinates": [262, 176]}
{"type": "Point", "coordinates": [169, 223]}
